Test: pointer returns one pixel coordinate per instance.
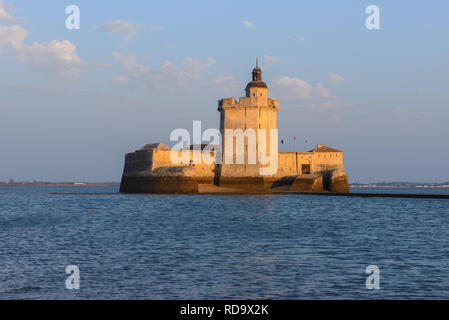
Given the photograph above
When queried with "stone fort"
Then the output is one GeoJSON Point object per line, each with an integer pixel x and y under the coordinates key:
{"type": "Point", "coordinates": [152, 170]}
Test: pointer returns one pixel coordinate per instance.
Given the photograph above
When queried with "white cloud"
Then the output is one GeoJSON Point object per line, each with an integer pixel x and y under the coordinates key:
{"type": "Point", "coordinates": [224, 79]}
{"type": "Point", "coordinates": [5, 16]}
{"type": "Point", "coordinates": [131, 64]}
{"type": "Point", "coordinates": [228, 83]}
{"type": "Point", "coordinates": [167, 75]}
{"type": "Point", "coordinates": [122, 27]}
{"type": "Point", "coordinates": [56, 56]}
{"type": "Point", "coordinates": [248, 24]}
{"type": "Point", "coordinates": [269, 60]}
{"type": "Point", "coordinates": [193, 68]}
{"type": "Point", "coordinates": [11, 38]}
{"type": "Point", "coordinates": [190, 71]}
{"type": "Point", "coordinates": [298, 90]}
{"type": "Point", "coordinates": [336, 79]}
{"type": "Point", "coordinates": [299, 38]}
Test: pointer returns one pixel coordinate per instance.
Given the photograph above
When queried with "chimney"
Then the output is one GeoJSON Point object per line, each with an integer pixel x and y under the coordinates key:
{"type": "Point", "coordinates": [319, 146]}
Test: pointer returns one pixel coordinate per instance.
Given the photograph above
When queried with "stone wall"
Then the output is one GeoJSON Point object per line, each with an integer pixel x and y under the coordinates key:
{"type": "Point", "coordinates": [289, 163]}
{"type": "Point", "coordinates": [153, 171]}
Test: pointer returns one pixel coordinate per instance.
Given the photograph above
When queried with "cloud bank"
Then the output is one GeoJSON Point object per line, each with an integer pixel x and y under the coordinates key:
{"type": "Point", "coordinates": [268, 61]}
{"type": "Point", "coordinates": [336, 79]}
{"type": "Point", "coordinates": [122, 27]}
{"type": "Point", "coordinates": [294, 89]}
{"type": "Point", "coordinates": [165, 76]}
{"type": "Point", "coordinates": [248, 24]}
{"type": "Point", "coordinates": [54, 56]}
{"type": "Point", "coordinates": [5, 16]}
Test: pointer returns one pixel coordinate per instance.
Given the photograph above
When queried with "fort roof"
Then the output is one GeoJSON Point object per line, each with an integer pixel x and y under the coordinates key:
{"type": "Point", "coordinates": [323, 148]}
{"type": "Point", "coordinates": [151, 146]}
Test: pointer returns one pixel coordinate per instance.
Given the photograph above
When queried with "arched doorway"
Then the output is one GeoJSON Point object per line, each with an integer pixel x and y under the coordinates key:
{"type": "Point", "coordinates": [305, 167]}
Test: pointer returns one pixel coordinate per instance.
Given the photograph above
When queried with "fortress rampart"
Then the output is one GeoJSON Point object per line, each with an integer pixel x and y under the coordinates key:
{"type": "Point", "coordinates": [152, 170]}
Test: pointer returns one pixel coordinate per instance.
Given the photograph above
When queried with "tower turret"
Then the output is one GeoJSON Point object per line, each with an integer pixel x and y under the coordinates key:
{"type": "Point", "coordinates": [256, 88]}
{"type": "Point", "coordinates": [257, 72]}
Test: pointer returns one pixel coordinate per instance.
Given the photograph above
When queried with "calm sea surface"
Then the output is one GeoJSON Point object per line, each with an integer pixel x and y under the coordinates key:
{"type": "Point", "coordinates": [221, 247]}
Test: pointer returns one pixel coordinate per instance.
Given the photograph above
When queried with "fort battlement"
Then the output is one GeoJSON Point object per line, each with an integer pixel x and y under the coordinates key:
{"type": "Point", "coordinates": [248, 102]}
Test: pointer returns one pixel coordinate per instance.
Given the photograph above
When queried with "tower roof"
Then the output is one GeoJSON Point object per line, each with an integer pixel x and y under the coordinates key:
{"type": "Point", "coordinates": [257, 78]}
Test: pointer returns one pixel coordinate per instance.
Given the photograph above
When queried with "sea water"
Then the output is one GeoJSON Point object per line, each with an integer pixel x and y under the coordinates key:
{"type": "Point", "coordinates": [221, 246]}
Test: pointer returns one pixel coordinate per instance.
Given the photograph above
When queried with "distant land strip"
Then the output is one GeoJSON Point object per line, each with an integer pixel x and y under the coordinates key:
{"type": "Point", "coordinates": [393, 185]}
{"type": "Point", "coordinates": [361, 195]}
{"type": "Point", "coordinates": [378, 195]}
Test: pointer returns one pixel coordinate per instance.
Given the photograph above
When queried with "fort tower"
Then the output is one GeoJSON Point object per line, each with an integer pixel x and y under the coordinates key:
{"type": "Point", "coordinates": [254, 111]}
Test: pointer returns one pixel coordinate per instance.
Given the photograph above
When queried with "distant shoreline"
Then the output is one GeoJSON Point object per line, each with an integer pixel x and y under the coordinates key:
{"type": "Point", "coordinates": [117, 184]}
{"type": "Point", "coordinates": [418, 186]}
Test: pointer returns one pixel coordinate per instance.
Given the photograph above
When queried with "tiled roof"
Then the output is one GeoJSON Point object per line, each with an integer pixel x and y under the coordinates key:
{"type": "Point", "coordinates": [256, 84]}
{"type": "Point", "coordinates": [322, 148]}
{"type": "Point", "coordinates": [152, 146]}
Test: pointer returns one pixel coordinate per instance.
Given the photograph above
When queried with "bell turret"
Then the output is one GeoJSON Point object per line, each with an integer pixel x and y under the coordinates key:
{"type": "Point", "coordinates": [256, 83]}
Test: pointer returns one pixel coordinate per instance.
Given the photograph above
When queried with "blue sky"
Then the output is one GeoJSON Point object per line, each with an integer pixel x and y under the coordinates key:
{"type": "Point", "coordinates": [73, 102]}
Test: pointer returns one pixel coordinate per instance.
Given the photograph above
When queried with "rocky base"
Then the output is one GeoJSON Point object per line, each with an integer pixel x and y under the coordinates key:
{"type": "Point", "coordinates": [162, 184]}
{"type": "Point", "coordinates": [179, 181]}
{"type": "Point", "coordinates": [336, 181]}
{"type": "Point", "coordinates": [308, 182]}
